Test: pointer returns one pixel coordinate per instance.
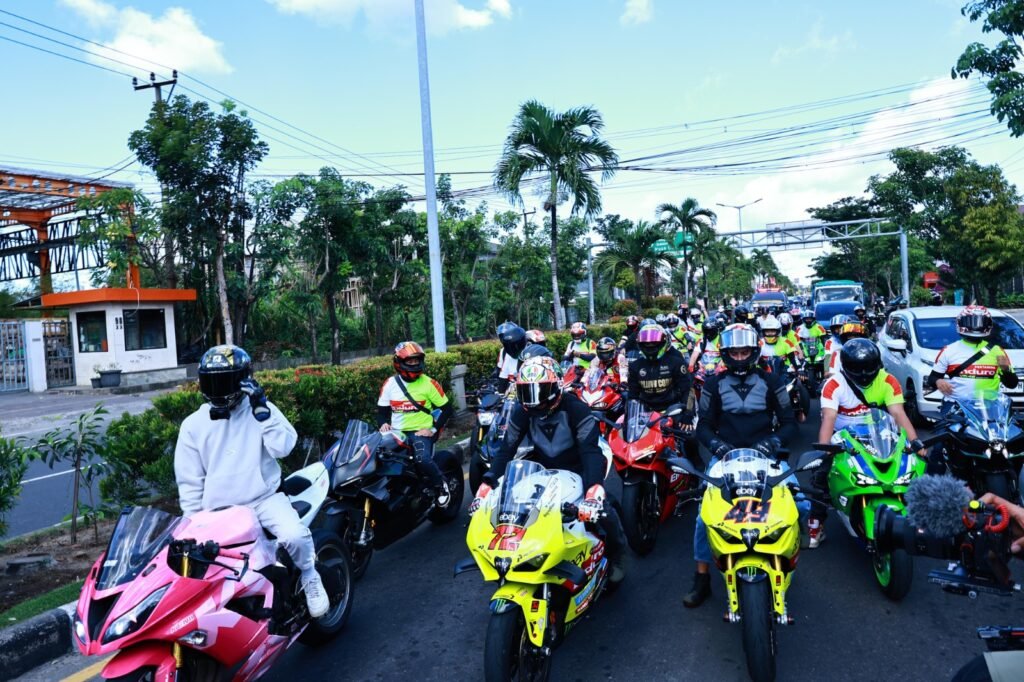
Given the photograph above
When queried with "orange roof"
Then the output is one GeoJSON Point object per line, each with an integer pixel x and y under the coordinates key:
{"type": "Point", "coordinates": [108, 295]}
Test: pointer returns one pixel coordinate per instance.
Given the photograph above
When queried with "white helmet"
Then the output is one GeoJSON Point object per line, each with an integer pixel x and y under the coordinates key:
{"type": "Point", "coordinates": [769, 323]}
{"type": "Point", "coordinates": [786, 320]}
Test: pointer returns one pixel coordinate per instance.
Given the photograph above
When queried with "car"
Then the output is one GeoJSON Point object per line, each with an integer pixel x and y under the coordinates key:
{"type": "Point", "coordinates": [769, 299]}
{"type": "Point", "coordinates": [913, 337]}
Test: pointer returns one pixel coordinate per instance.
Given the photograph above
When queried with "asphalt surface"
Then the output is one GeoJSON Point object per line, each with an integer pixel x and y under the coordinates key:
{"type": "Point", "coordinates": [46, 493]}
{"type": "Point", "coordinates": [412, 620]}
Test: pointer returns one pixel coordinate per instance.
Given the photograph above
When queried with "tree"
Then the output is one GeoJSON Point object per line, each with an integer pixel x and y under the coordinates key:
{"type": "Point", "coordinates": [520, 274]}
{"type": "Point", "coordinates": [124, 224]}
{"type": "Point", "coordinates": [464, 239]}
{"type": "Point", "coordinates": [694, 222]}
{"type": "Point", "coordinates": [562, 149]}
{"type": "Point", "coordinates": [630, 246]}
{"type": "Point", "coordinates": [1001, 64]}
{"type": "Point", "coordinates": [13, 464]}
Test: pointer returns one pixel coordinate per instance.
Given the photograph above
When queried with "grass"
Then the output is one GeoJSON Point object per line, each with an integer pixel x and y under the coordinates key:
{"type": "Point", "coordinates": [41, 604]}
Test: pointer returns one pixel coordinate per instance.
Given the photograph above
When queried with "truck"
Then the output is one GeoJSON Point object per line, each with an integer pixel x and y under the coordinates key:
{"type": "Point", "coordinates": [835, 297]}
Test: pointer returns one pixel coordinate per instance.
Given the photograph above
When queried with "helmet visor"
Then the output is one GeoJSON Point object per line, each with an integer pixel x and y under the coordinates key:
{"type": "Point", "coordinates": [220, 388]}
{"type": "Point", "coordinates": [534, 396]}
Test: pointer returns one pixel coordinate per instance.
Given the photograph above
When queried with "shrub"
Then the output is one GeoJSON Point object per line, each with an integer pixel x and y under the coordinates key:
{"type": "Point", "coordinates": [665, 302]}
{"type": "Point", "coordinates": [920, 296]}
{"type": "Point", "coordinates": [139, 450]}
{"type": "Point", "coordinates": [13, 463]}
{"type": "Point", "coordinates": [626, 306]}
{"type": "Point", "coordinates": [1010, 301]}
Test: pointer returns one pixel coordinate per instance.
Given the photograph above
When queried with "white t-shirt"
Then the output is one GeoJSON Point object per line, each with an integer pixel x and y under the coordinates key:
{"type": "Point", "coordinates": [508, 366]}
{"type": "Point", "coordinates": [966, 383]}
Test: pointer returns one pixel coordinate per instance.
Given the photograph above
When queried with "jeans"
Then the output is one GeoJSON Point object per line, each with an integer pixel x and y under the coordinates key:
{"type": "Point", "coordinates": [701, 546]}
{"type": "Point", "coordinates": [426, 468]}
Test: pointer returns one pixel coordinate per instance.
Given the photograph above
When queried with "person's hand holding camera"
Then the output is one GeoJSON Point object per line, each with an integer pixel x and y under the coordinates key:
{"type": "Point", "coordinates": [1016, 520]}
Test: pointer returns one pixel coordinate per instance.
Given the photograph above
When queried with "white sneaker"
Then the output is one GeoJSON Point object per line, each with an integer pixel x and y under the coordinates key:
{"type": "Point", "coordinates": [816, 531]}
{"type": "Point", "coordinates": [444, 496]}
{"type": "Point", "coordinates": [316, 596]}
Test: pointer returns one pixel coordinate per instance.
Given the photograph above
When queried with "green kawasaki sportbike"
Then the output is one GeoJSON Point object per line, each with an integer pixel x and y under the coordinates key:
{"type": "Point", "coordinates": [871, 469]}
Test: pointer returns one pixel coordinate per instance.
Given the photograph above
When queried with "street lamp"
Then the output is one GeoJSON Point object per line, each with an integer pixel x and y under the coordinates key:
{"type": "Point", "coordinates": [739, 211]}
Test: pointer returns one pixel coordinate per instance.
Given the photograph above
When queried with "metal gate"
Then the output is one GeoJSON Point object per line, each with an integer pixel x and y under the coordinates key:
{"type": "Point", "coordinates": [60, 360]}
{"type": "Point", "coordinates": [13, 373]}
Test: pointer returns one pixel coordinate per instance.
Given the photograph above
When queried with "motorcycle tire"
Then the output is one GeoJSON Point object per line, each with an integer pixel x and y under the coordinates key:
{"type": "Point", "coordinates": [639, 521]}
{"type": "Point", "coordinates": [451, 469]}
{"type": "Point", "coordinates": [508, 653]}
{"type": "Point", "coordinates": [332, 554]}
{"type": "Point", "coordinates": [758, 621]}
{"type": "Point", "coordinates": [1003, 485]}
{"type": "Point", "coordinates": [894, 572]}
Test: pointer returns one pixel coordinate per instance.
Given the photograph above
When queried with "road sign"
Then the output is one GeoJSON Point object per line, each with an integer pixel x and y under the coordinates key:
{"type": "Point", "coordinates": [661, 246]}
{"type": "Point", "coordinates": [682, 238]}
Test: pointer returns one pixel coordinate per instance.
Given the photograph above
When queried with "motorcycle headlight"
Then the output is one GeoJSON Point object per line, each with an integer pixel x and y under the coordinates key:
{"type": "Point", "coordinates": [600, 405]}
{"type": "Point", "coordinates": [775, 534]}
{"type": "Point", "coordinates": [863, 480]}
{"type": "Point", "coordinates": [644, 454]}
{"type": "Point", "coordinates": [485, 418]}
{"type": "Point", "coordinates": [904, 479]}
{"type": "Point", "coordinates": [79, 627]}
{"type": "Point", "coordinates": [136, 618]}
{"type": "Point", "coordinates": [532, 564]}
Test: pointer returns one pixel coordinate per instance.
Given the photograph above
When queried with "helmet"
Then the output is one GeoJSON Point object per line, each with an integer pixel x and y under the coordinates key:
{"type": "Point", "coordinates": [786, 320]}
{"type": "Point", "coordinates": [774, 310]}
{"type": "Point", "coordinates": [606, 349]}
{"type": "Point", "coordinates": [836, 323]}
{"type": "Point", "coordinates": [536, 336]}
{"type": "Point", "coordinates": [736, 337]}
{"type": "Point", "coordinates": [771, 327]}
{"type": "Point", "coordinates": [577, 331]}
{"type": "Point", "coordinates": [852, 330]}
{"type": "Point", "coordinates": [652, 341]}
{"type": "Point", "coordinates": [709, 328]}
{"type": "Point", "coordinates": [936, 298]}
{"type": "Point", "coordinates": [861, 361]}
{"type": "Point", "coordinates": [539, 385]}
{"type": "Point", "coordinates": [660, 319]}
{"type": "Point", "coordinates": [741, 314]}
{"type": "Point", "coordinates": [632, 323]}
{"type": "Point", "coordinates": [535, 350]}
{"type": "Point", "coordinates": [512, 337]}
{"type": "Point", "coordinates": [695, 314]}
{"type": "Point", "coordinates": [859, 310]}
{"type": "Point", "coordinates": [974, 321]}
{"type": "Point", "coordinates": [221, 371]}
{"type": "Point", "coordinates": [409, 360]}
{"type": "Point", "coordinates": [646, 321]}
{"type": "Point", "coordinates": [807, 315]}
{"type": "Point", "coordinates": [671, 321]}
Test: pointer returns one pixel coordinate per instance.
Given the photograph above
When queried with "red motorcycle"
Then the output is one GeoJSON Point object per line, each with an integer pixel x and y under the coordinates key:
{"type": "Point", "coordinates": [600, 392]}
{"type": "Point", "coordinates": [641, 446]}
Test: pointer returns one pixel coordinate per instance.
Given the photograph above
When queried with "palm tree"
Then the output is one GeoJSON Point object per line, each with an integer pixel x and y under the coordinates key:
{"type": "Point", "coordinates": [689, 218]}
{"type": "Point", "coordinates": [630, 247]}
{"type": "Point", "coordinates": [561, 149]}
{"type": "Point", "coordinates": [763, 264]}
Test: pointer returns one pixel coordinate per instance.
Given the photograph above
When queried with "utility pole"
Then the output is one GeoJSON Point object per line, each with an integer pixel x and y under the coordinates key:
{"type": "Point", "coordinates": [739, 211]}
{"type": "Point", "coordinates": [525, 223]}
{"type": "Point", "coordinates": [433, 236]}
{"type": "Point", "coordinates": [157, 85]}
{"type": "Point", "coordinates": [590, 281]}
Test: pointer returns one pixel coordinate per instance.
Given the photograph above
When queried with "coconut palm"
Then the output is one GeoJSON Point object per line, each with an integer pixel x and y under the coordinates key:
{"type": "Point", "coordinates": [689, 218]}
{"type": "Point", "coordinates": [630, 246]}
{"type": "Point", "coordinates": [559, 149]}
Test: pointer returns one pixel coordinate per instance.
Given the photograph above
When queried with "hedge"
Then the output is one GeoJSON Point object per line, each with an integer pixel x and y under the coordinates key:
{"type": "Point", "coordinates": [316, 399]}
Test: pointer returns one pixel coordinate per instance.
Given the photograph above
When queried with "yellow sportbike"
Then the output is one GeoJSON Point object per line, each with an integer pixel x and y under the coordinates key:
{"type": "Point", "coordinates": [549, 566]}
{"type": "Point", "coordinates": [754, 531]}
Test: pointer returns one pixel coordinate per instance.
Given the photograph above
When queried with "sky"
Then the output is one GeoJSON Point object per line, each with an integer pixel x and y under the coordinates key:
{"type": "Point", "coordinates": [707, 96]}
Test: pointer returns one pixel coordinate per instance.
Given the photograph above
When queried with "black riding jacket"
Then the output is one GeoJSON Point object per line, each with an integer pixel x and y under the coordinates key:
{"type": "Point", "coordinates": [739, 410]}
{"type": "Point", "coordinates": [662, 382]}
{"type": "Point", "coordinates": [567, 439]}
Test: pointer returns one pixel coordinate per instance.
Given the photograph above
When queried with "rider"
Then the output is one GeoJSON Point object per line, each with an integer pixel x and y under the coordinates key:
{"type": "Point", "coordinates": [849, 330]}
{"type": "Point", "coordinates": [810, 332]}
{"type": "Point", "coordinates": [741, 315]}
{"type": "Point", "coordinates": [832, 343]}
{"type": "Point", "coordinates": [861, 313]}
{"type": "Point", "coordinates": [580, 350]}
{"type": "Point", "coordinates": [406, 403]}
{"type": "Point", "coordinates": [680, 335]}
{"type": "Point", "coordinates": [225, 455]}
{"type": "Point", "coordinates": [776, 346]}
{"type": "Point", "coordinates": [565, 435]}
{"type": "Point", "coordinates": [659, 377]}
{"type": "Point", "coordinates": [738, 408]}
{"type": "Point", "coordinates": [513, 341]}
{"type": "Point", "coordinates": [846, 399]}
{"type": "Point", "coordinates": [788, 333]}
{"type": "Point", "coordinates": [696, 318]}
{"type": "Point", "coordinates": [628, 341]}
{"type": "Point", "coordinates": [707, 351]}
{"type": "Point", "coordinates": [607, 352]}
{"type": "Point", "coordinates": [536, 336]}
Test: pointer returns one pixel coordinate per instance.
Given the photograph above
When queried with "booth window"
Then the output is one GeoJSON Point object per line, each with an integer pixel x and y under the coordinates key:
{"type": "Point", "coordinates": [144, 329]}
{"type": "Point", "coordinates": [92, 332]}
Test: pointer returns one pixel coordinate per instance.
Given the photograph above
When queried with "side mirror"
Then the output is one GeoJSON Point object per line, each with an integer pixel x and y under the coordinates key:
{"type": "Point", "coordinates": [673, 410]}
{"type": "Point", "coordinates": [896, 345]}
{"type": "Point", "coordinates": [812, 459]}
{"type": "Point", "coordinates": [683, 465]}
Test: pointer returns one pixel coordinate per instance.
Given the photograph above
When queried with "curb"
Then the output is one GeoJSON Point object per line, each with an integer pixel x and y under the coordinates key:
{"type": "Point", "coordinates": [39, 639]}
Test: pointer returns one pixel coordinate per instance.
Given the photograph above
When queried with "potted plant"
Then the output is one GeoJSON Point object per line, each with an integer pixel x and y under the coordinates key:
{"type": "Point", "coordinates": [110, 377]}
{"type": "Point", "coordinates": [96, 378]}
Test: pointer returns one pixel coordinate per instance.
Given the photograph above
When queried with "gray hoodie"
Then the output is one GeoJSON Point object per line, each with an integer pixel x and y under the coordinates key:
{"type": "Point", "coordinates": [230, 461]}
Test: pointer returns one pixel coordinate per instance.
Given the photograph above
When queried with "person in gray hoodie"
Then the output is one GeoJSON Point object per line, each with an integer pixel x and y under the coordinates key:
{"type": "Point", "coordinates": [227, 454]}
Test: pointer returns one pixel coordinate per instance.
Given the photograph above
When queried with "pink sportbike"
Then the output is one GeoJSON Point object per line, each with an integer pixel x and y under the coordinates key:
{"type": "Point", "coordinates": [210, 597]}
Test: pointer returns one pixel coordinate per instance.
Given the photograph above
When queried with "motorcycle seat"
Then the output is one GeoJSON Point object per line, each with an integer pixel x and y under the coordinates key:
{"type": "Point", "coordinates": [294, 485]}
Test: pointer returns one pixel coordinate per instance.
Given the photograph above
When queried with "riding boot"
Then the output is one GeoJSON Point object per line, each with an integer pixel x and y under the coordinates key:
{"type": "Point", "coordinates": [700, 591]}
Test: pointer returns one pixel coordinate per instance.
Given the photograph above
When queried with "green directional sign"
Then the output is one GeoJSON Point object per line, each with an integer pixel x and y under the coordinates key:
{"type": "Point", "coordinates": [682, 238]}
{"type": "Point", "coordinates": [661, 246]}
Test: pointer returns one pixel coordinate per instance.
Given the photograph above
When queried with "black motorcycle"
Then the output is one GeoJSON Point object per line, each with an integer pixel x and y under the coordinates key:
{"type": "Point", "coordinates": [985, 446]}
{"type": "Point", "coordinates": [379, 497]}
{"type": "Point", "coordinates": [495, 422]}
{"type": "Point", "coordinates": [799, 397]}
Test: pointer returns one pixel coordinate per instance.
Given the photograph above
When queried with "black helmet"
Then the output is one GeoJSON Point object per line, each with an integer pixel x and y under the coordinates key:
{"type": "Point", "coordinates": [709, 328]}
{"type": "Point", "coordinates": [606, 349]}
{"type": "Point", "coordinates": [861, 361]}
{"type": "Point", "coordinates": [512, 337]}
{"type": "Point", "coordinates": [221, 371]}
{"type": "Point", "coordinates": [741, 314]}
{"type": "Point", "coordinates": [535, 350]}
{"type": "Point", "coordinates": [739, 336]}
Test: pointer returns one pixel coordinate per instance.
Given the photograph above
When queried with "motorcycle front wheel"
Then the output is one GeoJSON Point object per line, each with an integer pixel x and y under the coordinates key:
{"type": "Point", "coordinates": [894, 572]}
{"type": "Point", "coordinates": [758, 621]}
{"type": "Point", "coordinates": [509, 656]}
{"type": "Point", "coordinates": [641, 516]}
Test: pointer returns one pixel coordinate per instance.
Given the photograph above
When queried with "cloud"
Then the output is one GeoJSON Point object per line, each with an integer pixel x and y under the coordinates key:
{"type": "Point", "coordinates": [442, 15]}
{"type": "Point", "coordinates": [816, 42]}
{"type": "Point", "coordinates": [174, 38]}
{"type": "Point", "coordinates": [636, 12]}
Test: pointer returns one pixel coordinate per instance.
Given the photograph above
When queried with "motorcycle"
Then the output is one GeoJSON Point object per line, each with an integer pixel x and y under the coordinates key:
{"type": "Point", "coordinates": [379, 497]}
{"type": "Point", "coordinates": [641, 446]}
{"type": "Point", "coordinates": [210, 596]}
{"type": "Point", "coordinates": [799, 397]}
{"type": "Point", "coordinates": [601, 394]}
{"type": "Point", "coordinates": [871, 469]}
{"type": "Point", "coordinates": [549, 566]}
{"type": "Point", "coordinates": [815, 365]}
{"type": "Point", "coordinates": [754, 533]}
{"type": "Point", "coordinates": [988, 445]}
{"type": "Point", "coordinates": [491, 407]}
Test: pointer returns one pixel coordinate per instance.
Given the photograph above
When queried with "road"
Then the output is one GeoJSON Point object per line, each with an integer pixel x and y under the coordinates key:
{"type": "Point", "coordinates": [46, 493]}
{"type": "Point", "coordinates": [412, 619]}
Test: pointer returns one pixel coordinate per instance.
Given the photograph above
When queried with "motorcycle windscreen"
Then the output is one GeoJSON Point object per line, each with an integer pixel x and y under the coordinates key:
{"type": "Point", "coordinates": [990, 417]}
{"type": "Point", "coordinates": [878, 434]}
{"type": "Point", "coordinates": [592, 378]}
{"type": "Point", "coordinates": [496, 432]}
{"type": "Point", "coordinates": [522, 493]}
{"type": "Point", "coordinates": [140, 534]}
{"type": "Point", "coordinates": [746, 469]}
{"type": "Point", "coordinates": [635, 423]}
{"type": "Point", "coordinates": [344, 449]}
